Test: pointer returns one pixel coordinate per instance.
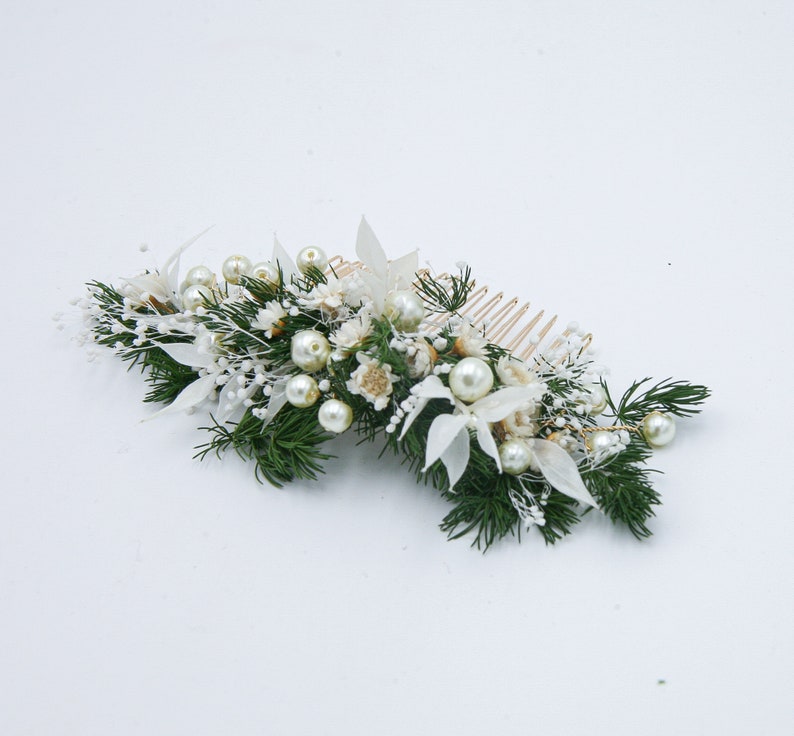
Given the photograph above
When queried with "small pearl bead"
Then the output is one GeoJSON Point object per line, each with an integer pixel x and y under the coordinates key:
{"type": "Point", "coordinates": [516, 456]}
{"type": "Point", "coordinates": [310, 350]}
{"type": "Point", "coordinates": [658, 429]}
{"type": "Point", "coordinates": [599, 440]}
{"type": "Point", "coordinates": [470, 379]}
{"type": "Point", "coordinates": [200, 276]}
{"type": "Point", "coordinates": [234, 267]}
{"type": "Point", "coordinates": [405, 309]}
{"type": "Point", "coordinates": [301, 391]}
{"type": "Point", "coordinates": [311, 257]}
{"type": "Point", "coordinates": [265, 271]}
{"type": "Point", "coordinates": [598, 399]}
{"type": "Point", "coordinates": [335, 416]}
{"type": "Point", "coordinates": [194, 296]}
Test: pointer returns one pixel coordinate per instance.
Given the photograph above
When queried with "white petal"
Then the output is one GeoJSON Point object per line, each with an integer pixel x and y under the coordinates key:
{"type": "Point", "coordinates": [281, 259]}
{"type": "Point", "coordinates": [277, 400]}
{"type": "Point", "coordinates": [430, 388]}
{"type": "Point", "coordinates": [151, 284]}
{"type": "Point", "coordinates": [228, 407]}
{"type": "Point", "coordinates": [502, 403]}
{"type": "Point", "coordinates": [192, 395]}
{"type": "Point", "coordinates": [456, 458]}
{"type": "Point", "coordinates": [171, 266]}
{"type": "Point", "coordinates": [402, 271]}
{"type": "Point", "coordinates": [433, 388]}
{"type": "Point", "coordinates": [370, 252]}
{"type": "Point", "coordinates": [487, 443]}
{"type": "Point", "coordinates": [442, 433]}
{"type": "Point", "coordinates": [376, 289]}
{"type": "Point", "coordinates": [187, 354]}
{"type": "Point", "coordinates": [560, 470]}
{"type": "Point", "coordinates": [413, 414]}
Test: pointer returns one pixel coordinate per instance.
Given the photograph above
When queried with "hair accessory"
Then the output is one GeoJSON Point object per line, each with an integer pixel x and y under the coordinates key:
{"type": "Point", "coordinates": [514, 425]}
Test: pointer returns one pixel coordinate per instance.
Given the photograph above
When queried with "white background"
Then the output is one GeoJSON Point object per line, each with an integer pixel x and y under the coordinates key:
{"type": "Point", "coordinates": [626, 165]}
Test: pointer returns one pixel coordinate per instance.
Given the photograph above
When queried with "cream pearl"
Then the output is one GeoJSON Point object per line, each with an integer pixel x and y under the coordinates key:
{"type": "Point", "coordinates": [302, 391]}
{"type": "Point", "coordinates": [405, 309]}
{"type": "Point", "coordinates": [265, 271]}
{"type": "Point", "coordinates": [598, 441]}
{"type": "Point", "coordinates": [470, 379]}
{"type": "Point", "coordinates": [310, 350]}
{"type": "Point", "coordinates": [598, 400]}
{"type": "Point", "coordinates": [516, 456]}
{"type": "Point", "coordinates": [234, 267]}
{"type": "Point", "coordinates": [335, 416]}
{"type": "Point", "coordinates": [311, 257]}
{"type": "Point", "coordinates": [200, 276]}
{"type": "Point", "coordinates": [194, 296]}
{"type": "Point", "coordinates": [658, 429]}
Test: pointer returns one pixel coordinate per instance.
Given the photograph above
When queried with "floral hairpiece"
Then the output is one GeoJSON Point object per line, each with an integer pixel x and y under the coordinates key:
{"type": "Point", "coordinates": [505, 420]}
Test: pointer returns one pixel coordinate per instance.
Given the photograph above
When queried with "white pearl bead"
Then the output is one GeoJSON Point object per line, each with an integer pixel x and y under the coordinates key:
{"type": "Point", "coordinates": [311, 257]}
{"type": "Point", "coordinates": [598, 400]}
{"type": "Point", "coordinates": [516, 456]}
{"type": "Point", "coordinates": [335, 416]}
{"type": "Point", "coordinates": [658, 429]}
{"type": "Point", "coordinates": [310, 350]}
{"type": "Point", "coordinates": [193, 296]}
{"type": "Point", "coordinates": [599, 440]}
{"type": "Point", "coordinates": [234, 267]}
{"type": "Point", "coordinates": [199, 276]}
{"type": "Point", "coordinates": [470, 379]}
{"type": "Point", "coordinates": [302, 391]}
{"type": "Point", "coordinates": [405, 309]}
{"type": "Point", "coordinates": [265, 271]}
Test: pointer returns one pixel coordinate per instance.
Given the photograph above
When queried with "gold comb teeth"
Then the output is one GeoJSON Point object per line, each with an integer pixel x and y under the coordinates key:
{"type": "Point", "coordinates": [512, 424]}
{"type": "Point", "coordinates": [505, 322]}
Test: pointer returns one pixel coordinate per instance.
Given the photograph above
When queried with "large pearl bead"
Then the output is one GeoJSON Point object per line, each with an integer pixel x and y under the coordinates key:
{"type": "Point", "coordinates": [658, 429]}
{"type": "Point", "coordinates": [265, 271]}
{"type": "Point", "coordinates": [302, 391]}
{"type": "Point", "coordinates": [311, 257]}
{"type": "Point", "coordinates": [200, 276]}
{"type": "Point", "coordinates": [598, 400]}
{"type": "Point", "coordinates": [310, 350]}
{"type": "Point", "coordinates": [335, 416]}
{"type": "Point", "coordinates": [194, 296]}
{"type": "Point", "coordinates": [234, 267]}
{"type": "Point", "coordinates": [598, 441]}
{"type": "Point", "coordinates": [470, 379]}
{"type": "Point", "coordinates": [516, 456]}
{"type": "Point", "coordinates": [405, 309]}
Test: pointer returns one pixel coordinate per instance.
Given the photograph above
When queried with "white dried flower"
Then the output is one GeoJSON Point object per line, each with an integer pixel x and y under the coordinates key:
{"type": "Point", "coordinates": [515, 372]}
{"type": "Point", "coordinates": [372, 381]}
{"type": "Point", "coordinates": [470, 342]}
{"type": "Point", "coordinates": [350, 334]}
{"type": "Point", "coordinates": [521, 424]}
{"type": "Point", "coordinates": [331, 296]}
{"type": "Point", "coordinates": [269, 318]}
{"type": "Point", "coordinates": [564, 439]}
{"type": "Point", "coordinates": [420, 363]}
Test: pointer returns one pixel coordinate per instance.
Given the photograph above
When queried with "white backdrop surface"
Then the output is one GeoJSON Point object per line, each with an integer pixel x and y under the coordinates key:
{"type": "Point", "coordinates": [626, 165]}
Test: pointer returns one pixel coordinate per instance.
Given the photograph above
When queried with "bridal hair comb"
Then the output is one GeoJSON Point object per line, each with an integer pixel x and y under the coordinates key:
{"type": "Point", "coordinates": [513, 424]}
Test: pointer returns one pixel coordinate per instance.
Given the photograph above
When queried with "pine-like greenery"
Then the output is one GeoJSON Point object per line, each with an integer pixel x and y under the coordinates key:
{"type": "Point", "coordinates": [283, 450]}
